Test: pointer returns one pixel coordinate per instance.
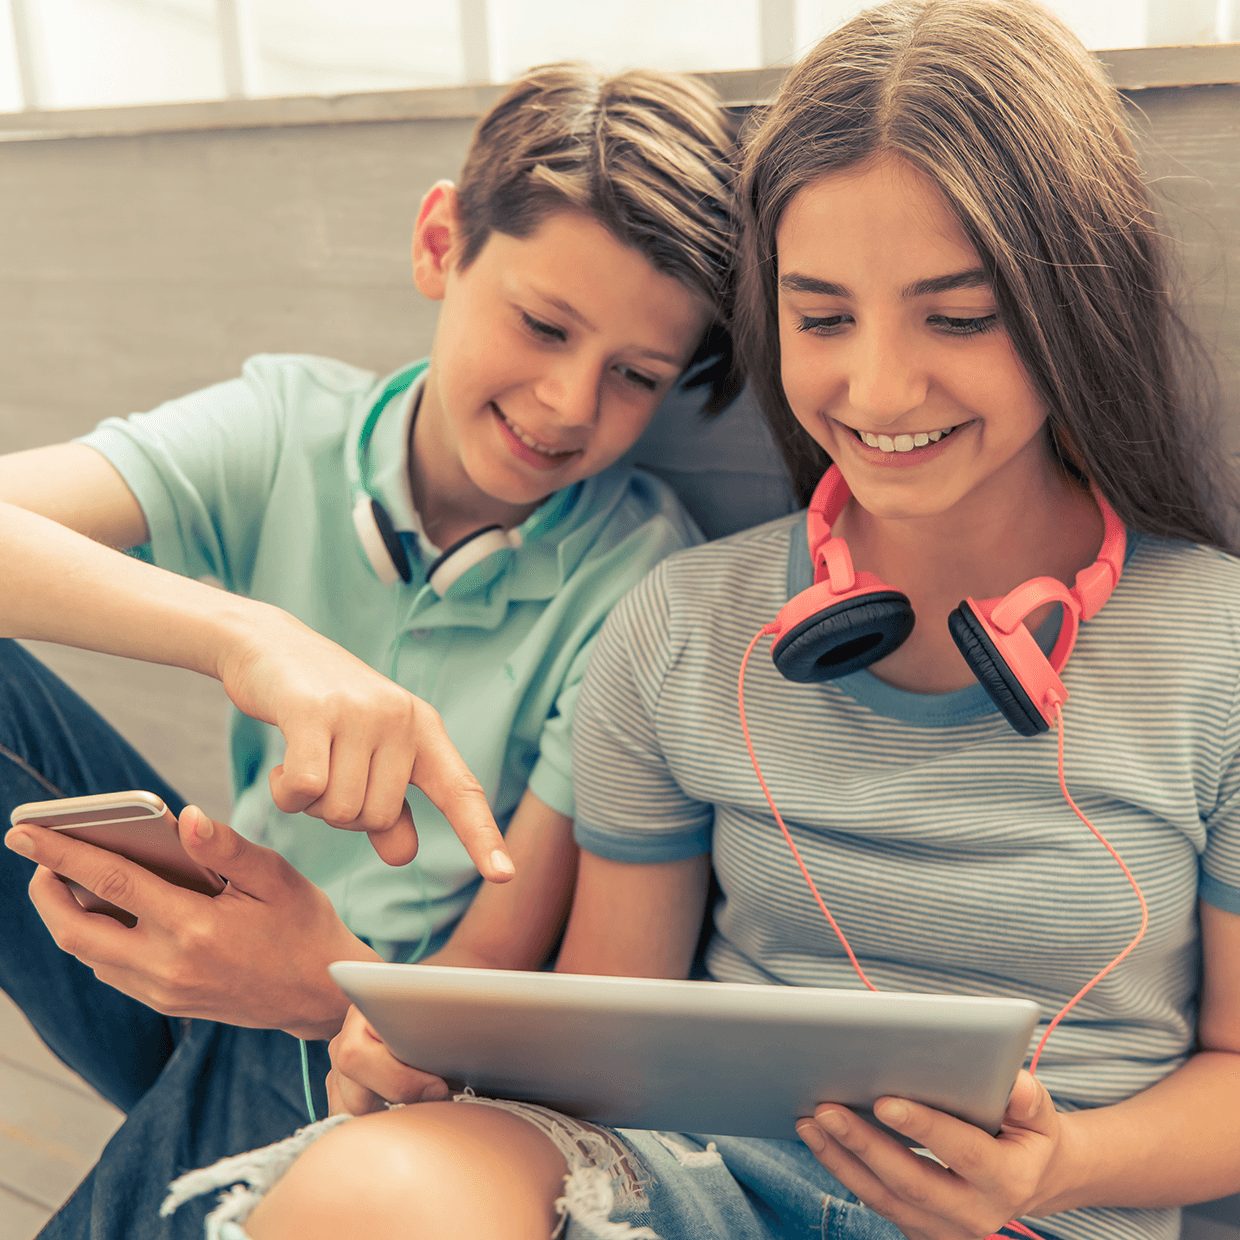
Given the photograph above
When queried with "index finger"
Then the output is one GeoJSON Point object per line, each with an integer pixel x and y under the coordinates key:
{"type": "Point", "coordinates": [441, 773]}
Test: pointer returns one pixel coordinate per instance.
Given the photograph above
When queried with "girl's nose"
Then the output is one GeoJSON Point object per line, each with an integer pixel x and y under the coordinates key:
{"type": "Point", "coordinates": [885, 379]}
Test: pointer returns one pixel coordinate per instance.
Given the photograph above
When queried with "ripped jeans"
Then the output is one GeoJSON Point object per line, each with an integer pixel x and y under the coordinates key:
{"type": "Point", "coordinates": [621, 1184]}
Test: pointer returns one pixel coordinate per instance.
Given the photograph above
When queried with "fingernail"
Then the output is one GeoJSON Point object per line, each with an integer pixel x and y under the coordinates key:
{"type": "Point", "coordinates": [20, 841]}
{"type": "Point", "coordinates": [434, 1093]}
{"type": "Point", "coordinates": [835, 1122]}
{"type": "Point", "coordinates": [501, 863]}
{"type": "Point", "coordinates": [891, 1111]}
{"type": "Point", "coordinates": [811, 1134]}
{"type": "Point", "coordinates": [205, 828]}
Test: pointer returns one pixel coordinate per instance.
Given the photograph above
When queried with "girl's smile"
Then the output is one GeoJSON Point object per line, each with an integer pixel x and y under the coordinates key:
{"type": "Point", "coordinates": [904, 448]}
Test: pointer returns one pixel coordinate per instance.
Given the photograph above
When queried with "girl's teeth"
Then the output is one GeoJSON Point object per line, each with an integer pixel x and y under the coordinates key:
{"type": "Point", "coordinates": [903, 443]}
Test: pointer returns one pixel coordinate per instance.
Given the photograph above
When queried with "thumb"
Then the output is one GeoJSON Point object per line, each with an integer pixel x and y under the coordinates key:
{"type": "Point", "coordinates": [218, 847]}
{"type": "Point", "coordinates": [1029, 1106]}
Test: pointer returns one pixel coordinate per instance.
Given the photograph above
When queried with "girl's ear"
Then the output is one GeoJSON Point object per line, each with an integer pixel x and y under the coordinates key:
{"type": "Point", "coordinates": [436, 238]}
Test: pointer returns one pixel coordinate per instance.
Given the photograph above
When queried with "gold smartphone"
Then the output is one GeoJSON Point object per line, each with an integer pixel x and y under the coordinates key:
{"type": "Point", "coordinates": [134, 825]}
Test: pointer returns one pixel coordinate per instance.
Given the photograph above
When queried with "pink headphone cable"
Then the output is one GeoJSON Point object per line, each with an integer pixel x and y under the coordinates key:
{"type": "Point", "coordinates": [768, 630]}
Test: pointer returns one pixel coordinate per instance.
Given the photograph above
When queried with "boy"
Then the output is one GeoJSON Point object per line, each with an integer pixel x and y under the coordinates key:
{"type": "Point", "coordinates": [455, 527]}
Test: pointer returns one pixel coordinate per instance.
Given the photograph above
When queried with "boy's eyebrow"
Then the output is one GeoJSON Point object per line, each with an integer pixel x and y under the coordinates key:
{"type": "Point", "coordinates": [975, 277]}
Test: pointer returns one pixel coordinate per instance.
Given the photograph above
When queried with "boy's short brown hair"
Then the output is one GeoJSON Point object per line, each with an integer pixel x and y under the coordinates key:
{"type": "Point", "coordinates": [649, 155]}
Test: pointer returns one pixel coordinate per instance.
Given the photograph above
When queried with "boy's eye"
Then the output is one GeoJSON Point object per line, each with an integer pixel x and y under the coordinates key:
{"type": "Point", "coordinates": [964, 327]}
{"type": "Point", "coordinates": [826, 326]}
{"type": "Point", "coordinates": [544, 331]}
{"type": "Point", "coordinates": [637, 378]}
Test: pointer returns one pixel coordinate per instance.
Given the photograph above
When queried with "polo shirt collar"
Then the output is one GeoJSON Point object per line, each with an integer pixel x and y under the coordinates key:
{"type": "Point", "coordinates": [553, 538]}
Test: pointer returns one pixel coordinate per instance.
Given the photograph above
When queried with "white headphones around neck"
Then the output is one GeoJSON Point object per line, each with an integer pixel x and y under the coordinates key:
{"type": "Point", "coordinates": [381, 541]}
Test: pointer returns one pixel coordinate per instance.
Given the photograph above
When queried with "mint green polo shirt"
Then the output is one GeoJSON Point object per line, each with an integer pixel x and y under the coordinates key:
{"type": "Point", "coordinates": [247, 482]}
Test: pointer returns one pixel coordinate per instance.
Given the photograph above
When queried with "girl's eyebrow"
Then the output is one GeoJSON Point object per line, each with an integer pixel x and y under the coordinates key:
{"type": "Point", "coordinates": [975, 277]}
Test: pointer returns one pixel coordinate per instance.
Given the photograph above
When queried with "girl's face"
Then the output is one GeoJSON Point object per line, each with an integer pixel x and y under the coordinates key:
{"type": "Point", "coordinates": [893, 357]}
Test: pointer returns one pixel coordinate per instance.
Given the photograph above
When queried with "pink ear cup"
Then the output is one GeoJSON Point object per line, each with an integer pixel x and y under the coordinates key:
{"type": "Point", "coordinates": [846, 620]}
{"type": "Point", "coordinates": [1001, 652]}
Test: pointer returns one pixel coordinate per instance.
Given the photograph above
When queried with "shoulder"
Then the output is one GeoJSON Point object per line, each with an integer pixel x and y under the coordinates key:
{"type": "Point", "coordinates": [627, 518]}
{"type": "Point", "coordinates": [1181, 593]}
{"type": "Point", "coordinates": [747, 571]}
{"type": "Point", "coordinates": [714, 592]}
{"type": "Point", "coordinates": [311, 387]}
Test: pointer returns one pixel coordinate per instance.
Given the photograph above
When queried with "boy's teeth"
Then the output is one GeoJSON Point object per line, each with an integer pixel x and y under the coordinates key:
{"type": "Point", "coordinates": [904, 443]}
{"type": "Point", "coordinates": [530, 442]}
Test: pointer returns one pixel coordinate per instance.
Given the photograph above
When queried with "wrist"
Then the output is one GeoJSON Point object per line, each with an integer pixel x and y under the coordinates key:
{"type": "Point", "coordinates": [1070, 1170]}
{"type": "Point", "coordinates": [239, 631]}
{"type": "Point", "coordinates": [328, 1005]}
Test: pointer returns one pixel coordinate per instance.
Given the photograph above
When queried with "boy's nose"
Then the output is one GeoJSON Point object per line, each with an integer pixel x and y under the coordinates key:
{"type": "Point", "coordinates": [572, 390]}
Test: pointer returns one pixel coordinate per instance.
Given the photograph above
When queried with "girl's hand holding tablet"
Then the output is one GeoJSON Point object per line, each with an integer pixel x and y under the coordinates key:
{"type": "Point", "coordinates": [983, 1181]}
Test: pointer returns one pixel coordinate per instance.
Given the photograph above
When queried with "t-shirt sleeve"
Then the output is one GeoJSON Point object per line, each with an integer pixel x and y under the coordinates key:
{"type": "Point", "coordinates": [1220, 863]}
{"type": "Point", "coordinates": [630, 806]}
{"type": "Point", "coordinates": [551, 780]}
{"type": "Point", "coordinates": [201, 468]}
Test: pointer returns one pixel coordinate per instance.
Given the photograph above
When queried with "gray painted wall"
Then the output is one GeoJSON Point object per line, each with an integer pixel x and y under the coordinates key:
{"type": "Point", "coordinates": [135, 267]}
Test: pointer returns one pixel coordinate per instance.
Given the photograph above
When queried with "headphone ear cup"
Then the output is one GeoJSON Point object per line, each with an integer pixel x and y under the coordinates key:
{"type": "Point", "coordinates": [993, 673]}
{"type": "Point", "coordinates": [844, 638]}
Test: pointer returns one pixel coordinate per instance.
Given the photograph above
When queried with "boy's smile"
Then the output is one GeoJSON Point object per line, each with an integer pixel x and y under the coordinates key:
{"type": "Point", "coordinates": [551, 355]}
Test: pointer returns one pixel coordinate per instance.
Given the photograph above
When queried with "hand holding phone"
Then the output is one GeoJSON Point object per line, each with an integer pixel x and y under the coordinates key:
{"type": "Point", "coordinates": [134, 825]}
{"type": "Point", "coordinates": [256, 955]}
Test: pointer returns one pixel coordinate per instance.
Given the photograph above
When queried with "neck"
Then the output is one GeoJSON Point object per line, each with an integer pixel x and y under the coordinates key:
{"type": "Point", "coordinates": [995, 539]}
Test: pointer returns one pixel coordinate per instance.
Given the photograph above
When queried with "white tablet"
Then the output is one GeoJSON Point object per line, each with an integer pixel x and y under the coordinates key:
{"type": "Point", "coordinates": [701, 1057]}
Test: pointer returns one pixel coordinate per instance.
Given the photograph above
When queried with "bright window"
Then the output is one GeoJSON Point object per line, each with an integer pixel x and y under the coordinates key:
{"type": "Point", "coordinates": [90, 53]}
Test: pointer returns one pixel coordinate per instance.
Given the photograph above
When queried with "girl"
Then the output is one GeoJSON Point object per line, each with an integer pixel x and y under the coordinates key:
{"type": "Point", "coordinates": [953, 294]}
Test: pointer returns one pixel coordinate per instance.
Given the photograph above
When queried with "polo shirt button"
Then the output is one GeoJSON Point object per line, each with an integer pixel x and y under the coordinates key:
{"type": "Point", "coordinates": [419, 634]}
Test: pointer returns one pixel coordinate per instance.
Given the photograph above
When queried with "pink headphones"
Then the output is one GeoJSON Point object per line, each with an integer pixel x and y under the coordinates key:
{"type": "Point", "coordinates": [847, 620]}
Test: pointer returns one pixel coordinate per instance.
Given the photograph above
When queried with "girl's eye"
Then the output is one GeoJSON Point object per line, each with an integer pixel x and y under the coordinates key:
{"type": "Point", "coordinates": [827, 326]}
{"type": "Point", "coordinates": [964, 327]}
{"type": "Point", "coordinates": [544, 331]}
{"type": "Point", "coordinates": [638, 379]}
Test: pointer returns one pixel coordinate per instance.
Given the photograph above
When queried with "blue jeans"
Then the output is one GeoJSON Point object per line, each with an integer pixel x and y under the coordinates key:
{"type": "Point", "coordinates": [193, 1091]}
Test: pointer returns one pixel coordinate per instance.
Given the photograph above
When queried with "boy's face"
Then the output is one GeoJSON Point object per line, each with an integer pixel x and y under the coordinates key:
{"type": "Point", "coordinates": [551, 355]}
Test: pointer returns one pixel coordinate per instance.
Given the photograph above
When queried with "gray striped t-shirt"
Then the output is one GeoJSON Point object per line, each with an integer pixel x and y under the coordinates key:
{"type": "Point", "coordinates": [938, 836]}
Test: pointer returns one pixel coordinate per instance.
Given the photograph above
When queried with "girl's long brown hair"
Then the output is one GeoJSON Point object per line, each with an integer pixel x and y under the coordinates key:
{"type": "Point", "coordinates": [998, 104]}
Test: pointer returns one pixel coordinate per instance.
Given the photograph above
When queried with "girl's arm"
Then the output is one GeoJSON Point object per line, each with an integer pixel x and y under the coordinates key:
{"type": "Point", "coordinates": [627, 920]}
{"type": "Point", "coordinates": [635, 920]}
{"type": "Point", "coordinates": [1172, 1144]}
{"type": "Point", "coordinates": [515, 926]}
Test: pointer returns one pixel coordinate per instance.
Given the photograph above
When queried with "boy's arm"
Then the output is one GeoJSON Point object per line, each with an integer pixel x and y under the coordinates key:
{"type": "Point", "coordinates": [354, 739]}
{"type": "Point", "coordinates": [515, 926]}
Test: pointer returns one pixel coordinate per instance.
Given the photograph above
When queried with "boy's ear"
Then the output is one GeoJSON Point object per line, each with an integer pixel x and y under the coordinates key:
{"type": "Point", "coordinates": [436, 239]}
